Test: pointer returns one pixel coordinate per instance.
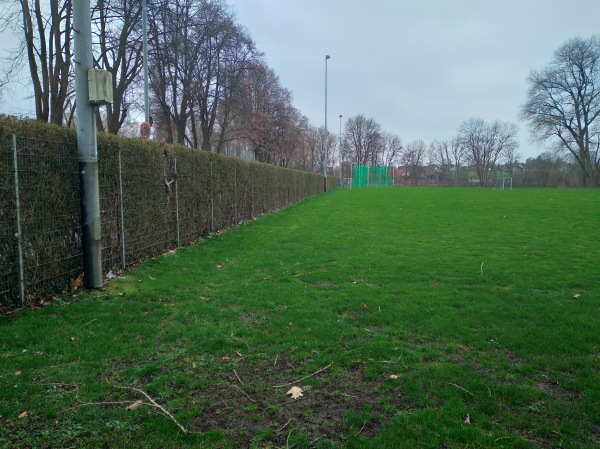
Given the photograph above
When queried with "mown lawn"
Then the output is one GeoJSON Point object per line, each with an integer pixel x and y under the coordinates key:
{"type": "Point", "coordinates": [411, 318]}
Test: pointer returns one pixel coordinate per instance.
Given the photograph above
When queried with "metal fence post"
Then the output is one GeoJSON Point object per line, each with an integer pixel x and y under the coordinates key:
{"type": "Point", "coordinates": [235, 193]}
{"type": "Point", "coordinates": [251, 195]}
{"type": "Point", "coordinates": [121, 213]}
{"type": "Point", "coordinates": [18, 219]}
{"type": "Point", "coordinates": [176, 199]}
{"type": "Point", "coordinates": [212, 199]}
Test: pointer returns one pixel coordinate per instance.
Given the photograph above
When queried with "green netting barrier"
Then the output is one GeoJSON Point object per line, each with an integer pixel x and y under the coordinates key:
{"type": "Point", "coordinates": [372, 176]}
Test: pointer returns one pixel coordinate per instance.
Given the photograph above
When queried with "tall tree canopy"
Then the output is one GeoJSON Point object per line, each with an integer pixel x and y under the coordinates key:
{"type": "Point", "coordinates": [46, 44]}
{"type": "Point", "coordinates": [563, 103]}
{"type": "Point", "coordinates": [484, 144]}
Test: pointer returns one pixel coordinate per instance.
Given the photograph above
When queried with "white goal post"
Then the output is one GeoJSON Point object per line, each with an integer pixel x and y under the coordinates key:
{"type": "Point", "coordinates": [504, 183]}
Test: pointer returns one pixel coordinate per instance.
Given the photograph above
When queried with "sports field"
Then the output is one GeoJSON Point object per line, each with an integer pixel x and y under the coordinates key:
{"type": "Point", "coordinates": [409, 317]}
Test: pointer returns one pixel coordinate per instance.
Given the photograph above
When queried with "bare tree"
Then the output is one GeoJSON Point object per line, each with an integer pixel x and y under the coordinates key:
{"type": "Point", "coordinates": [362, 137]}
{"type": "Point", "coordinates": [46, 45]}
{"type": "Point", "coordinates": [313, 142]}
{"type": "Point", "coordinates": [391, 149]}
{"type": "Point", "coordinates": [206, 79]}
{"type": "Point", "coordinates": [257, 118]}
{"type": "Point", "coordinates": [219, 41]}
{"type": "Point", "coordinates": [412, 159]}
{"type": "Point", "coordinates": [174, 46]}
{"type": "Point", "coordinates": [118, 49]}
{"type": "Point", "coordinates": [449, 156]}
{"type": "Point", "coordinates": [511, 158]}
{"type": "Point", "coordinates": [332, 144]}
{"type": "Point", "coordinates": [484, 144]}
{"type": "Point", "coordinates": [5, 80]}
{"type": "Point", "coordinates": [239, 58]}
{"type": "Point", "coordinates": [563, 102]}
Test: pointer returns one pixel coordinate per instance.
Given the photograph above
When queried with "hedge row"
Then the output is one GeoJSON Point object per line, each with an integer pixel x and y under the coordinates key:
{"type": "Point", "coordinates": [171, 196]}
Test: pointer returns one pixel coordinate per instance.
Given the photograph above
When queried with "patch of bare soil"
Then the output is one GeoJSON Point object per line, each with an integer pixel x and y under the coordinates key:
{"type": "Point", "coordinates": [245, 406]}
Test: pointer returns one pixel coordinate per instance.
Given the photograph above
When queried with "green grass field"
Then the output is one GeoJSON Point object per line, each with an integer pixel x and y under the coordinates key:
{"type": "Point", "coordinates": [410, 317]}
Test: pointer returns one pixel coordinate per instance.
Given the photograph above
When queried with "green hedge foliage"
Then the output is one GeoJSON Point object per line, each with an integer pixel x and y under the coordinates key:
{"type": "Point", "coordinates": [171, 196]}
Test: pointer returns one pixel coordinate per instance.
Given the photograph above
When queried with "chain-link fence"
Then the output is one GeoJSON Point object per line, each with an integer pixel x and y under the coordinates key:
{"type": "Point", "coordinates": [152, 198]}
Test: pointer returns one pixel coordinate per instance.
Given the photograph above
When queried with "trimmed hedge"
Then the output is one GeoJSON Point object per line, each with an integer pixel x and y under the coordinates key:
{"type": "Point", "coordinates": [172, 196]}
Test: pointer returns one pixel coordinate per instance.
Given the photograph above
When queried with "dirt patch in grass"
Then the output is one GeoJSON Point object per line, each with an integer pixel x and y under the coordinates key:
{"type": "Point", "coordinates": [247, 409]}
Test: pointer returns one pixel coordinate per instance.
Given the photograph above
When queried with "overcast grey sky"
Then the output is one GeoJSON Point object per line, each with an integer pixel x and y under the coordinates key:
{"type": "Point", "coordinates": [418, 67]}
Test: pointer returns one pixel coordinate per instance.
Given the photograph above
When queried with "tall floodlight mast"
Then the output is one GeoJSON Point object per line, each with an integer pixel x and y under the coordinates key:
{"type": "Point", "coordinates": [325, 139]}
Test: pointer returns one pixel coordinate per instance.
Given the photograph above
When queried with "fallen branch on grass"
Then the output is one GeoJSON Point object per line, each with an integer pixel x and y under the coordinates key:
{"type": "Point", "coordinates": [135, 404]}
{"type": "Point", "coordinates": [244, 393]}
{"type": "Point", "coordinates": [305, 377]}
{"type": "Point", "coordinates": [284, 426]}
{"type": "Point", "coordinates": [460, 388]}
{"type": "Point", "coordinates": [158, 406]}
{"type": "Point", "coordinates": [362, 428]}
{"type": "Point", "coordinates": [238, 377]}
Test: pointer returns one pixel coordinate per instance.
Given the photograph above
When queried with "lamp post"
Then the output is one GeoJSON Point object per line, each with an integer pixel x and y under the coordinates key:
{"type": "Point", "coordinates": [325, 142]}
{"type": "Point", "coordinates": [145, 61]}
{"type": "Point", "coordinates": [341, 153]}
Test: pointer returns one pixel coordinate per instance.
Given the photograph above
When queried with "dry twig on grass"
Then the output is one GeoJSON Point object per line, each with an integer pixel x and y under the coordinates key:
{"type": "Point", "coordinates": [362, 428]}
{"type": "Point", "coordinates": [243, 392]}
{"type": "Point", "coordinates": [305, 377]}
{"type": "Point", "coordinates": [158, 406]}
{"type": "Point", "coordinates": [238, 377]}
{"type": "Point", "coordinates": [285, 425]}
{"type": "Point", "coordinates": [135, 404]}
{"type": "Point", "coordinates": [460, 388]}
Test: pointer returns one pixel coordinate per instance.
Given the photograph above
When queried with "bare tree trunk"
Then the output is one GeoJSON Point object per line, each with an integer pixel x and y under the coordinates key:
{"type": "Point", "coordinates": [47, 36]}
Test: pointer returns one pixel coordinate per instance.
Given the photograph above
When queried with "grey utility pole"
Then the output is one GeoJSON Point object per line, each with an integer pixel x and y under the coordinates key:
{"type": "Point", "coordinates": [145, 51]}
{"type": "Point", "coordinates": [325, 141]}
{"type": "Point", "coordinates": [87, 147]}
{"type": "Point", "coordinates": [341, 153]}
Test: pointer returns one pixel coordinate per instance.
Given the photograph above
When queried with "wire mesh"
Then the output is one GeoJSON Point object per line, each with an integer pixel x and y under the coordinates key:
{"type": "Point", "coordinates": [152, 198]}
{"type": "Point", "coordinates": [49, 218]}
{"type": "Point", "coordinates": [9, 286]}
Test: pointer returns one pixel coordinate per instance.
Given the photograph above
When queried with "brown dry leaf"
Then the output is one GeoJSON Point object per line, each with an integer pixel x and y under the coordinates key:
{"type": "Point", "coordinates": [296, 392]}
{"type": "Point", "coordinates": [225, 358]}
{"type": "Point", "coordinates": [17, 373]}
{"type": "Point", "coordinates": [135, 405]}
{"type": "Point", "coordinates": [77, 282]}
{"type": "Point", "coordinates": [23, 415]}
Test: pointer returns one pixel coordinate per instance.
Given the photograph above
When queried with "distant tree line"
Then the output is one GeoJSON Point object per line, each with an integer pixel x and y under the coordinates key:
{"type": "Point", "coordinates": [211, 89]}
